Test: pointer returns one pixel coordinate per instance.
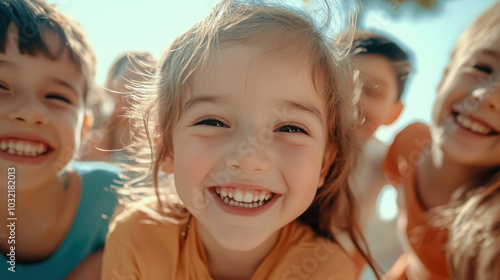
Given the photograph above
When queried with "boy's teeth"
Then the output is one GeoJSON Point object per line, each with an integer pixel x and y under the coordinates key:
{"type": "Point", "coordinates": [243, 198]}
{"type": "Point", "coordinates": [23, 147]}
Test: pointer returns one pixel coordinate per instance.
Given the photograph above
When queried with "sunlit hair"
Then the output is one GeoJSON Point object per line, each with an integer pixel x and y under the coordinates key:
{"type": "Point", "coordinates": [233, 23]}
{"type": "Point", "coordinates": [473, 249]}
{"type": "Point", "coordinates": [482, 33]}
{"type": "Point", "coordinates": [141, 63]}
{"type": "Point", "coordinates": [33, 19]}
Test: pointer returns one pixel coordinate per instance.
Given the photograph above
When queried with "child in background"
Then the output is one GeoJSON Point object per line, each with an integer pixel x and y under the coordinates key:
{"type": "Point", "coordinates": [111, 137]}
{"type": "Point", "coordinates": [384, 68]}
{"type": "Point", "coordinates": [253, 116]}
{"type": "Point", "coordinates": [57, 210]}
{"type": "Point", "coordinates": [473, 248]}
{"type": "Point", "coordinates": [462, 146]}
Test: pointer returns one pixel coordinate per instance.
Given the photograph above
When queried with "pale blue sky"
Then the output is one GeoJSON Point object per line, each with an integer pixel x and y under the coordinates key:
{"type": "Point", "coordinates": [117, 26]}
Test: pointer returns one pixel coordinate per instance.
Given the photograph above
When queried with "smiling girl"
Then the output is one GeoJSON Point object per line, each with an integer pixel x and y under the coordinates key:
{"type": "Point", "coordinates": [252, 115]}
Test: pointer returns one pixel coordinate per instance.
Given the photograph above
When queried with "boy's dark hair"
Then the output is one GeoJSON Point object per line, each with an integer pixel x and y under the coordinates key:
{"type": "Point", "coordinates": [369, 43]}
{"type": "Point", "coordinates": [32, 18]}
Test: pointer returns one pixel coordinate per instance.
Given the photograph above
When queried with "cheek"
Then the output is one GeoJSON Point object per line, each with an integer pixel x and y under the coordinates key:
{"type": "Point", "coordinates": [193, 164]}
{"type": "Point", "coordinates": [301, 167]}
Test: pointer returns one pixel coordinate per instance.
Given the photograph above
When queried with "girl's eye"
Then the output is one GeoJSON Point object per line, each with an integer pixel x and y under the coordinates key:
{"type": "Point", "coordinates": [58, 97]}
{"type": "Point", "coordinates": [291, 129]}
{"type": "Point", "coordinates": [211, 122]}
{"type": "Point", "coordinates": [483, 68]}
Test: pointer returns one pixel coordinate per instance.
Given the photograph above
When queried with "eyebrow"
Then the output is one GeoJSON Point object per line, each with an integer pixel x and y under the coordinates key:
{"type": "Point", "coordinates": [51, 79]}
{"type": "Point", "coordinates": [196, 100]}
{"type": "Point", "coordinates": [490, 52]}
{"type": "Point", "coordinates": [303, 107]}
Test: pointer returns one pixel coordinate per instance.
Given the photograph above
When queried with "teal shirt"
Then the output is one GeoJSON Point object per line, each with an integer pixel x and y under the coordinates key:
{"type": "Point", "coordinates": [89, 228]}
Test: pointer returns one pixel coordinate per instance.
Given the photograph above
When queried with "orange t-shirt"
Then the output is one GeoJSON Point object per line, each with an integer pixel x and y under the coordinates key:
{"type": "Point", "coordinates": [424, 245]}
{"type": "Point", "coordinates": [142, 244]}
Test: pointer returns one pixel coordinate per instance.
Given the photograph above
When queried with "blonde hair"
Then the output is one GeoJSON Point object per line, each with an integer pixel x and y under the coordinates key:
{"type": "Point", "coordinates": [473, 249]}
{"type": "Point", "coordinates": [483, 32]}
{"type": "Point", "coordinates": [235, 22]}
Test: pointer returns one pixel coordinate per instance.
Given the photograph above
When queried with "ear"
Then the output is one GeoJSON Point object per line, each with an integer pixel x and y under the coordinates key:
{"type": "Point", "coordinates": [88, 120]}
{"type": "Point", "coordinates": [329, 157]}
{"type": "Point", "coordinates": [167, 164]}
{"type": "Point", "coordinates": [397, 108]}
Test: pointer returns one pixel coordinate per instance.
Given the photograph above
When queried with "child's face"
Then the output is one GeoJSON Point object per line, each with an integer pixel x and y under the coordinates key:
{"type": "Point", "coordinates": [379, 104]}
{"type": "Point", "coordinates": [466, 115]}
{"type": "Point", "coordinates": [41, 114]}
{"type": "Point", "coordinates": [252, 133]}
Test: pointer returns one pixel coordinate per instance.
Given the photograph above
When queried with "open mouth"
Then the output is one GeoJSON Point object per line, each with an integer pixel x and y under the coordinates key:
{"type": "Point", "coordinates": [25, 148]}
{"type": "Point", "coordinates": [243, 198]}
{"type": "Point", "coordinates": [472, 125]}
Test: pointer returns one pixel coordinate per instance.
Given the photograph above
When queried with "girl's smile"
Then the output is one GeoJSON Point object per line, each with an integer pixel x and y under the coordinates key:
{"type": "Point", "coordinates": [472, 123]}
{"type": "Point", "coordinates": [244, 200]}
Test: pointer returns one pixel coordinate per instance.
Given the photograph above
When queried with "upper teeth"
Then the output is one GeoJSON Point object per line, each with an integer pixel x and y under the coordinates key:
{"type": "Point", "coordinates": [472, 125]}
{"type": "Point", "coordinates": [23, 147]}
{"type": "Point", "coordinates": [243, 198]}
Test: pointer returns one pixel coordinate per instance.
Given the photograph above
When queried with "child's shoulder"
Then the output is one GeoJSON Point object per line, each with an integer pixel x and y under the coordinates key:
{"type": "Point", "coordinates": [405, 151]}
{"type": "Point", "coordinates": [97, 174]}
{"type": "Point", "coordinates": [300, 249]}
{"type": "Point", "coordinates": [146, 218]}
{"type": "Point", "coordinates": [410, 133]}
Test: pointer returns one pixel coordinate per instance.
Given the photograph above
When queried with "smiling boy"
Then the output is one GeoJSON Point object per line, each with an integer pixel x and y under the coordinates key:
{"type": "Point", "coordinates": [46, 76]}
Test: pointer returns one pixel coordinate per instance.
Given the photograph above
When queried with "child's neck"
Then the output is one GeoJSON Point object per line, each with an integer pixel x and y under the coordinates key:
{"type": "Point", "coordinates": [44, 215]}
{"type": "Point", "coordinates": [229, 264]}
{"type": "Point", "coordinates": [439, 177]}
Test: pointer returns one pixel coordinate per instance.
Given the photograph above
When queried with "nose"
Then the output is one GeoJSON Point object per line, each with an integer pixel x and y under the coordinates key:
{"type": "Point", "coordinates": [251, 153]}
{"type": "Point", "coordinates": [491, 97]}
{"type": "Point", "coordinates": [28, 112]}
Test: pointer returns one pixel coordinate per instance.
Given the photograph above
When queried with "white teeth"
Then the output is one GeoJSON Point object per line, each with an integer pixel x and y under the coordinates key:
{"type": "Point", "coordinates": [472, 125]}
{"type": "Point", "coordinates": [243, 198]}
{"type": "Point", "coordinates": [248, 197]}
{"type": "Point", "coordinates": [19, 146]}
{"type": "Point", "coordinates": [262, 196]}
{"type": "Point", "coordinates": [23, 147]}
{"type": "Point", "coordinates": [238, 195]}
{"type": "Point", "coordinates": [27, 149]}
{"type": "Point", "coordinates": [40, 149]}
